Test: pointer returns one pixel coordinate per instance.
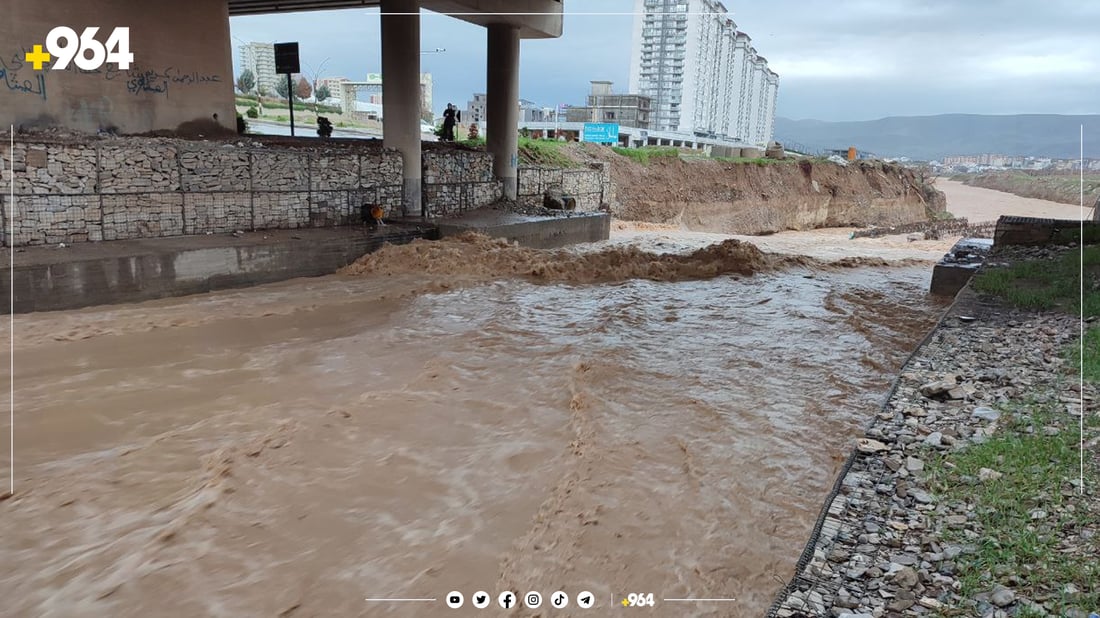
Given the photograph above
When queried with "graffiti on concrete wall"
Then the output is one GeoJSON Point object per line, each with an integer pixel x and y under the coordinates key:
{"type": "Point", "coordinates": [16, 76]}
{"type": "Point", "coordinates": [25, 82]}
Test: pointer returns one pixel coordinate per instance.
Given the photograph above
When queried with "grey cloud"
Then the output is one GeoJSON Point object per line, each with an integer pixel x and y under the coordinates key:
{"type": "Point", "coordinates": [930, 56]}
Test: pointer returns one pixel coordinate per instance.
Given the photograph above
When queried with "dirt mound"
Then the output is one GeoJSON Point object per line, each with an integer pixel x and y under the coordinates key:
{"type": "Point", "coordinates": [731, 197]}
{"type": "Point", "coordinates": [480, 257]}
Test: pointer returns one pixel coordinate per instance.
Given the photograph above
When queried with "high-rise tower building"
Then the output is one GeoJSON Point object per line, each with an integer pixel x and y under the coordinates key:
{"type": "Point", "coordinates": [260, 59]}
{"type": "Point", "coordinates": [702, 74]}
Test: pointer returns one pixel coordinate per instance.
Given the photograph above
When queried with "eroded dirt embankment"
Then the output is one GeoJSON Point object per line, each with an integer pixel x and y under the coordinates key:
{"type": "Point", "coordinates": [747, 198]}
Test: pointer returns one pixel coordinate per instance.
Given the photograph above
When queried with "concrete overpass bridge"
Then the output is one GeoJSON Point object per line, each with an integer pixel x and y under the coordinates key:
{"type": "Point", "coordinates": [183, 73]}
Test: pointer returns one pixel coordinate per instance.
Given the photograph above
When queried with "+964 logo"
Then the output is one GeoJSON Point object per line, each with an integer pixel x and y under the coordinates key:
{"type": "Point", "coordinates": [64, 47]}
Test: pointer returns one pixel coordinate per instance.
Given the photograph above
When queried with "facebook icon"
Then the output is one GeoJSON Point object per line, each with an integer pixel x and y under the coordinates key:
{"type": "Point", "coordinates": [506, 599]}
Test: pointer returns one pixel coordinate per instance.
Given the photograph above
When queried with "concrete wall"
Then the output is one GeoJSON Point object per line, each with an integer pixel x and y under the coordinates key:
{"type": "Point", "coordinates": [590, 185]}
{"type": "Point", "coordinates": [1035, 231]}
{"type": "Point", "coordinates": [114, 189]}
{"type": "Point", "coordinates": [181, 78]}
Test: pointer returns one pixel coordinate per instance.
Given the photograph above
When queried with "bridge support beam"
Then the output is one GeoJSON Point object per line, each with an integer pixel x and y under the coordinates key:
{"type": "Point", "coordinates": [502, 105]}
{"type": "Point", "coordinates": [401, 93]}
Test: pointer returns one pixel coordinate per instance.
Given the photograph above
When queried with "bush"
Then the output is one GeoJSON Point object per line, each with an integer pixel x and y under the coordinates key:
{"type": "Point", "coordinates": [252, 113]}
{"type": "Point", "coordinates": [242, 126]}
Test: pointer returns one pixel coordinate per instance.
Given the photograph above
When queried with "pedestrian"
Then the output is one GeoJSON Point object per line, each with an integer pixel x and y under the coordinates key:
{"type": "Point", "coordinates": [450, 117]}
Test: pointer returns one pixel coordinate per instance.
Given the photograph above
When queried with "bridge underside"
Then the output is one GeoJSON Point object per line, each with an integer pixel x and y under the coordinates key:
{"type": "Point", "coordinates": [536, 19]}
{"type": "Point", "coordinates": [507, 21]}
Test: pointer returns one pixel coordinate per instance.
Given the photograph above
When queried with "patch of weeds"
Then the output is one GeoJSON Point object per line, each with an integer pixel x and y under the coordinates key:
{"type": "Point", "coordinates": [1026, 514]}
{"type": "Point", "coordinates": [643, 155]}
{"type": "Point", "coordinates": [545, 152]}
{"type": "Point", "coordinates": [1047, 284]}
{"type": "Point", "coordinates": [1091, 355]}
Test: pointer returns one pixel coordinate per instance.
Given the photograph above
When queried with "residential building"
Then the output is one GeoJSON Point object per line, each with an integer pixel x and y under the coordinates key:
{"type": "Point", "coordinates": [529, 111]}
{"type": "Point", "coordinates": [701, 73]}
{"type": "Point", "coordinates": [260, 59]}
{"type": "Point", "coordinates": [475, 109]}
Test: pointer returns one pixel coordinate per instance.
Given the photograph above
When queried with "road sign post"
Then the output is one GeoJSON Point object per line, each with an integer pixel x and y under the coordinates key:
{"type": "Point", "coordinates": [286, 61]}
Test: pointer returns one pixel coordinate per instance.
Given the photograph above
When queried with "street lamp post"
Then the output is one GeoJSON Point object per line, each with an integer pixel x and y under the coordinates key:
{"type": "Point", "coordinates": [316, 75]}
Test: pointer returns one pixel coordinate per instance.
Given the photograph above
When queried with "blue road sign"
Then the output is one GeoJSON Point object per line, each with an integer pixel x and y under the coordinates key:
{"type": "Point", "coordinates": [600, 132]}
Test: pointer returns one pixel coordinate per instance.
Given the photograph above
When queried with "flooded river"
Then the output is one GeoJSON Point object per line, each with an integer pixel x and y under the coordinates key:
{"type": "Point", "coordinates": [294, 449]}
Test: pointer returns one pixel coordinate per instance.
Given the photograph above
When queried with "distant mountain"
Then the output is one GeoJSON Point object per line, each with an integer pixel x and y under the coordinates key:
{"type": "Point", "coordinates": [934, 137]}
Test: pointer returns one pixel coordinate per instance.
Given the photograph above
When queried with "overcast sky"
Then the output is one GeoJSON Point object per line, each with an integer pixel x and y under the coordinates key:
{"type": "Point", "coordinates": [836, 59]}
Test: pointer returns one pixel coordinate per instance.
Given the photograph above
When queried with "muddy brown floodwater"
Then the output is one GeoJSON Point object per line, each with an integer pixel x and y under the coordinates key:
{"type": "Point", "coordinates": [294, 449]}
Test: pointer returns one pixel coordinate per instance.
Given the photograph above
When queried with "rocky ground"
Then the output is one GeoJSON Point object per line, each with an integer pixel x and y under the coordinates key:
{"type": "Point", "coordinates": [919, 524]}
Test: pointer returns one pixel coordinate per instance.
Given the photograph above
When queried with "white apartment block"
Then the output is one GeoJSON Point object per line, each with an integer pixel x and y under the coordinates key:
{"type": "Point", "coordinates": [260, 59]}
{"type": "Point", "coordinates": [703, 75]}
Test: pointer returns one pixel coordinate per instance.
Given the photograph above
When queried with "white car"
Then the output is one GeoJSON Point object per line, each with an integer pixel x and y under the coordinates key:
{"type": "Point", "coordinates": [426, 128]}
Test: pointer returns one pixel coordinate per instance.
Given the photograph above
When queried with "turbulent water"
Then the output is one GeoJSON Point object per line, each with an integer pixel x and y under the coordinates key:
{"type": "Point", "coordinates": [292, 450]}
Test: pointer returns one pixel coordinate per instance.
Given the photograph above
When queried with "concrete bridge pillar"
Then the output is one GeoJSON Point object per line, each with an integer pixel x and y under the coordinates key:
{"type": "Point", "coordinates": [502, 105]}
{"type": "Point", "coordinates": [401, 93]}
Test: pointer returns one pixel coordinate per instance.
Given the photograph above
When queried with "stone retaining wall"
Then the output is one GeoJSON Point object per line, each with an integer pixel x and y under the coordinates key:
{"type": "Point", "coordinates": [590, 185]}
{"type": "Point", "coordinates": [456, 181]}
{"type": "Point", "coordinates": [90, 189]}
{"type": "Point", "coordinates": [115, 189]}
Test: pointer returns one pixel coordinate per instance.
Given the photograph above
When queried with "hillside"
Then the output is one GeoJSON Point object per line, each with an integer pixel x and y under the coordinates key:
{"type": "Point", "coordinates": [760, 196]}
{"type": "Point", "coordinates": [1063, 188]}
{"type": "Point", "coordinates": [934, 137]}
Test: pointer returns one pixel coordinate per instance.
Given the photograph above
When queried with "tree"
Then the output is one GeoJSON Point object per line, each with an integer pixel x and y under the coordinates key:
{"type": "Point", "coordinates": [281, 88]}
{"type": "Point", "coordinates": [246, 82]}
{"type": "Point", "coordinates": [322, 93]}
{"type": "Point", "coordinates": [303, 90]}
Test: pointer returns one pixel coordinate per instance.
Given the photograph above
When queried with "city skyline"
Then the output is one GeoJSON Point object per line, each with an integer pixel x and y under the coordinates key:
{"type": "Point", "coordinates": [854, 60]}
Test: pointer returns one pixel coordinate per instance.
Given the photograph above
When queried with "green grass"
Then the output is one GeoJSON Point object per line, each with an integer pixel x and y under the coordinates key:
{"type": "Point", "coordinates": [1035, 469]}
{"type": "Point", "coordinates": [1047, 284]}
{"type": "Point", "coordinates": [545, 152]}
{"type": "Point", "coordinates": [1091, 355]}
{"type": "Point", "coordinates": [644, 154]}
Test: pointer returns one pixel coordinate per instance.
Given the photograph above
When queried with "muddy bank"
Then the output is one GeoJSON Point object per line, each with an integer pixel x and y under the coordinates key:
{"type": "Point", "coordinates": [746, 198]}
{"type": "Point", "coordinates": [1064, 187]}
{"type": "Point", "coordinates": [473, 257]}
